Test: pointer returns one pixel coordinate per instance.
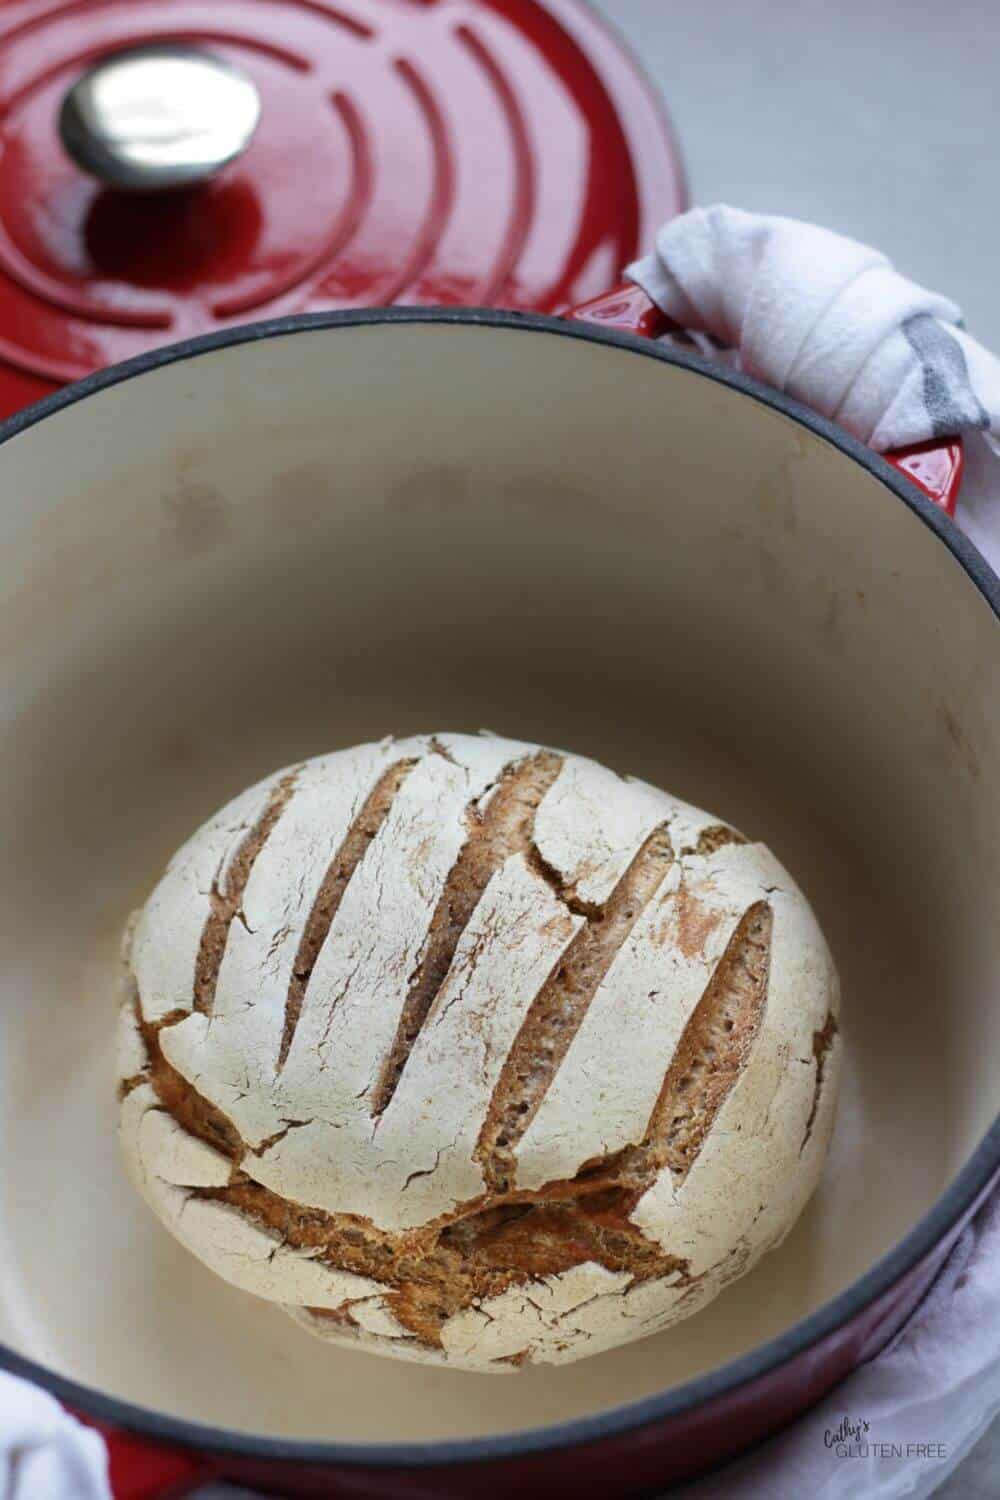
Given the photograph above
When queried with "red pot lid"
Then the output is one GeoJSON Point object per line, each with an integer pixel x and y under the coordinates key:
{"type": "Point", "coordinates": [500, 152]}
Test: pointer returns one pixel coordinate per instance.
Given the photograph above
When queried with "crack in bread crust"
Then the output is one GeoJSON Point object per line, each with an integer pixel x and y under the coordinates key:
{"type": "Point", "coordinates": [480, 1251]}
{"type": "Point", "coordinates": [822, 1042]}
{"type": "Point", "coordinates": [508, 1238]}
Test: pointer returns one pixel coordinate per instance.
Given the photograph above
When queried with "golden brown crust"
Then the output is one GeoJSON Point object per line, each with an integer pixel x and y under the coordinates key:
{"type": "Point", "coordinates": [470, 1260]}
{"type": "Point", "coordinates": [196, 1114]}
{"type": "Point", "coordinates": [712, 839]}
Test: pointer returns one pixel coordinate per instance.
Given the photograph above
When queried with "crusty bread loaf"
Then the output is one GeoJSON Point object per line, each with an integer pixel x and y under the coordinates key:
{"type": "Point", "coordinates": [474, 1052]}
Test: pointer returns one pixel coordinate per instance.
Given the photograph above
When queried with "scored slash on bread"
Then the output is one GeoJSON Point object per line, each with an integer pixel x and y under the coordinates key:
{"type": "Point", "coordinates": [475, 1052]}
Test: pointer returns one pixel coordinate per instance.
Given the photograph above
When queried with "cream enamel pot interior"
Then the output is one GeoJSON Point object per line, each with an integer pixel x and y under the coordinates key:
{"type": "Point", "coordinates": [235, 553]}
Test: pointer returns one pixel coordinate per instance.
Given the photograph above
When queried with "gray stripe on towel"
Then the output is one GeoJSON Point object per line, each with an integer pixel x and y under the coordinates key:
{"type": "Point", "coordinates": [952, 404]}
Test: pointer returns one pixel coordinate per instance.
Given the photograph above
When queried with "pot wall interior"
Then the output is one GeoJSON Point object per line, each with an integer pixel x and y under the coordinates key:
{"type": "Point", "coordinates": [295, 544]}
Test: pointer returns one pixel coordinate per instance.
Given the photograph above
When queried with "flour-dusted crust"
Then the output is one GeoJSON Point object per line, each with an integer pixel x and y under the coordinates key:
{"type": "Point", "coordinates": [476, 1053]}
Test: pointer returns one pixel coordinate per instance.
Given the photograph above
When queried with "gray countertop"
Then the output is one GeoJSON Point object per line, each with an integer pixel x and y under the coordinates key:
{"type": "Point", "coordinates": [877, 119]}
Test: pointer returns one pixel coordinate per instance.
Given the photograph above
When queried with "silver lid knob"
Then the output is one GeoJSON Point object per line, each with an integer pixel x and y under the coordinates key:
{"type": "Point", "coordinates": [158, 117]}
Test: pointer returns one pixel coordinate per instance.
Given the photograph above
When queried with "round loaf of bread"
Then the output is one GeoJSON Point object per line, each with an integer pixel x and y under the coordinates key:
{"type": "Point", "coordinates": [468, 1051]}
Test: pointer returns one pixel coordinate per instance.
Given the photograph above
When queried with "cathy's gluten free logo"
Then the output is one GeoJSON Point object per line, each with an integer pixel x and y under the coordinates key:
{"type": "Point", "coordinates": [853, 1439]}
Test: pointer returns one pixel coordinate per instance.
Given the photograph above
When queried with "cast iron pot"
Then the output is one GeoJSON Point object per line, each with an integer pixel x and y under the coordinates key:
{"type": "Point", "coordinates": [237, 552]}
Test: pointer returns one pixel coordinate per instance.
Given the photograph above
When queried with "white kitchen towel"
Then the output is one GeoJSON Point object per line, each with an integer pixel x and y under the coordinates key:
{"type": "Point", "coordinates": [829, 321]}
{"type": "Point", "coordinates": [45, 1454]}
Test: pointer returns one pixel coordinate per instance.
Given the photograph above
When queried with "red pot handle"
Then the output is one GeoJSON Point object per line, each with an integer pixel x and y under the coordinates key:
{"type": "Point", "coordinates": [141, 1470]}
{"type": "Point", "coordinates": [934, 467]}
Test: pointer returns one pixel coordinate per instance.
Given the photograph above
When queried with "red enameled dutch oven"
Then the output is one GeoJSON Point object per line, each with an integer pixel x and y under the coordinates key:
{"type": "Point", "coordinates": [242, 549]}
{"type": "Point", "coordinates": [231, 553]}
